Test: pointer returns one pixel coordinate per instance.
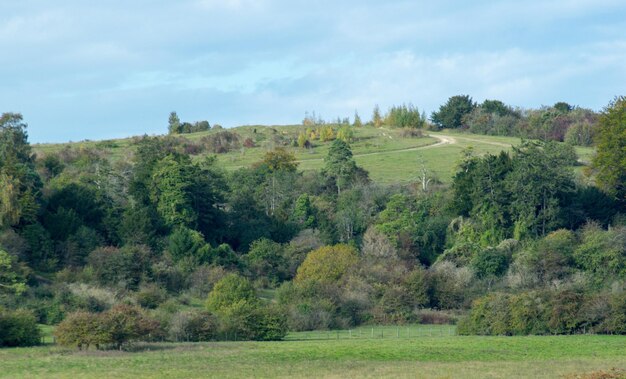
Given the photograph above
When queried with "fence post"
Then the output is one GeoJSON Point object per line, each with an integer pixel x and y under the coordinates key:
{"type": "Point", "coordinates": [372, 332]}
{"type": "Point", "coordinates": [397, 332]}
{"type": "Point", "coordinates": [350, 331]}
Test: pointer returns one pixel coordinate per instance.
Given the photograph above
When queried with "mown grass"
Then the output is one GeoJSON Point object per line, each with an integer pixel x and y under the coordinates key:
{"type": "Point", "coordinates": [426, 356]}
{"type": "Point", "coordinates": [385, 153]}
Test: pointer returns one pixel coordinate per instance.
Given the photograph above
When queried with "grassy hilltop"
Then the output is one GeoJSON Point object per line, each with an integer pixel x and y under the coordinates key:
{"type": "Point", "coordinates": [386, 153]}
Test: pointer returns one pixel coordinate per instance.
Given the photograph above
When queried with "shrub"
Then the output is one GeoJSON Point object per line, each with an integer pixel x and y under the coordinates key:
{"type": "Point", "coordinates": [127, 323]}
{"type": "Point", "coordinates": [81, 330]}
{"type": "Point", "coordinates": [18, 328]}
{"type": "Point", "coordinates": [193, 326]}
{"type": "Point", "coordinates": [245, 320]}
{"type": "Point", "coordinates": [327, 264]}
{"type": "Point", "coordinates": [489, 316]}
{"type": "Point", "coordinates": [151, 296]}
{"type": "Point", "coordinates": [232, 289]}
{"type": "Point", "coordinates": [615, 322]}
{"type": "Point", "coordinates": [221, 142]}
{"type": "Point", "coordinates": [528, 314]}
{"type": "Point", "coordinates": [124, 267]}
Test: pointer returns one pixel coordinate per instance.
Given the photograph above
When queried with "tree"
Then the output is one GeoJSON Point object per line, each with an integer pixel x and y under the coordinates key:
{"type": "Point", "coordinates": [127, 323]}
{"type": "Point", "coordinates": [174, 125]}
{"type": "Point", "coordinates": [230, 290]}
{"type": "Point", "coordinates": [376, 117]}
{"type": "Point", "coordinates": [19, 181]}
{"type": "Point", "coordinates": [172, 181]}
{"type": "Point", "coordinates": [18, 328]}
{"type": "Point", "coordinates": [450, 115]}
{"type": "Point", "coordinates": [280, 159]}
{"type": "Point", "coordinates": [346, 134]}
{"type": "Point", "coordinates": [610, 160]}
{"type": "Point", "coordinates": [327, 264]}
{"type": "Point", "coordinates": [10, 280]}
{"type": "Point", "coordinates": [266, 260]}
{"type": "Point", "coordinates": [339, 165]}
{"type": "Point", "coordinates": [357, 120]}
{"type": "Point", "coordinates": [302, 139]}
{"type": "Point", "coordinates": [540, 183]}
{"type": "Point", "coordinates": [187, 244]}
{"type": "Point", "coordinates": [81, 330]}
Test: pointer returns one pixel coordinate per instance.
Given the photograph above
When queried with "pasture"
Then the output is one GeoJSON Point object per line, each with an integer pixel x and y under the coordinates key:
{"type": "Point", "coordinates": [427, 352]}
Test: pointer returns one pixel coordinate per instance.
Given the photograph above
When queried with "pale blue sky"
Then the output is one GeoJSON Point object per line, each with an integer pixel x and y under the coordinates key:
{"type": "Point", "coordinates": [90, 70]}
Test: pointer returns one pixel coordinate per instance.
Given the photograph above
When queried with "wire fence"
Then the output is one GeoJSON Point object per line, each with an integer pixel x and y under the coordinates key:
{"type": "Point", "coordinates": [376, 332]}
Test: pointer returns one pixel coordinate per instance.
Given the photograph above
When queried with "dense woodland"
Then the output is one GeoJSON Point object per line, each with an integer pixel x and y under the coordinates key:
{"type": "Point", "coordinates": [168, 246]}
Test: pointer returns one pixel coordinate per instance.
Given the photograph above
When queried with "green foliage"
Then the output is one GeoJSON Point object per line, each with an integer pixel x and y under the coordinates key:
{"type": "Point", "coordinates": [451, 114]}
{"type": "Point", "coordinates": [565, 311]}
{"type": "Point", "coordinates": [266, 259]}
{"type": "Point", "coordinates": [339, 165]}
{"type": "Point", "coordinates": [345, 134]}
{"type": "Point", "coordinates": [610, 160]}
{"type": "Point", "coordinates": [357, 120]}
{"type": "Point", "coordinates": [126, 323]}
{"type": "Point", "coordinates": [187, 244]}
{"type": "Point", "coordinates": [280, 160]}
{"type": "Point", "coordinates": [174, 124]}
{"type": "Point", "coordinates": [81, 330]}
{"type": "Point", "coordinates": [377, 120]}
{"type": "Point", "coordinates": [20, 183]}
{"type": "Point", "coordinates": [11, 281]}
{"type": "Point", "coordinates": [416, 227]}
{"type": "Point", "coordinates": [490, 262]}
{"type": "Point", "coordinates": [602, 252]}
{"type": "Point", "coordinates": [116, 327]}
{"type": "Point", "coordinates": [172, 182]}
{"type": "Point", "coordinates": [193, 326]}
{"type": "Point", "coordinates": [231, 289]}
{"type": "Point", "coordinates": [495, 118]}
{"type": "Point", "coordinates": [123, 267]}
{"type": "Point", "coordinates": [18, 328]}
{"type": "Point", "coordinates": [405, 116]}
{"type": "Point", "coordinates": [327, 264]}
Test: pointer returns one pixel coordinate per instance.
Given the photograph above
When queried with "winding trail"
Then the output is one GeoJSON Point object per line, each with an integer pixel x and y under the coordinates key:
{"type": "Point", "coordinates": [443, 140]}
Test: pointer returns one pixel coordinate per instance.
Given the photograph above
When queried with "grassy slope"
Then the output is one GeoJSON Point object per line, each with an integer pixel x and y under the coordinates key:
{"type": "Point", "coordinates": [387, 156]}
{"type": "Point", "coordinates": [437, 356]}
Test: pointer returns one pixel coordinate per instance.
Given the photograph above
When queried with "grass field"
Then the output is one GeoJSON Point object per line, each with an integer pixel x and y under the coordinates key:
{"type": "Point", "coordinates": [437, 356]}
{"type": "Point", "coordinates": [384, 153]}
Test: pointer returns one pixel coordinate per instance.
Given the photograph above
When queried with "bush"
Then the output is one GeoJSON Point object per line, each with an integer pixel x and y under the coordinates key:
{"type": "Point", "coordinates": [232, 289]}
{"type": "Point", "coordinates": [151, 296]}
{"type": "Point", "coordinates": [18, 328]}
{"type": "Point", "coordinates": [127, 323]}
{"type": "Point", "coordinates": [245, 320]}
{"type": "Point", "coordinates": [193, 326]}
{"type": "Point", "coordinates": [327, 264]}
{"type": "Point", "coordinates": [120, 267]}
{"type": "Point", "coordinates": [116, 327]}
{"type": "Point", "coordinates": [556, 312]}
{"type": "Point", "coordinates": [81, 330]}
{"type": "Point", "coordinates": [615, 323]}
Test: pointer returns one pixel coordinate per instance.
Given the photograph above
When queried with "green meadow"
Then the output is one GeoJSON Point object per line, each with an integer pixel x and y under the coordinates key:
{"type": "Point", "coordinates": [392, 353]}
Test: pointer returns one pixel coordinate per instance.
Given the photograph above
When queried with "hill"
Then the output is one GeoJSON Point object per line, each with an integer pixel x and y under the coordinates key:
{"type": "Point", "coordinates": [389, 155]}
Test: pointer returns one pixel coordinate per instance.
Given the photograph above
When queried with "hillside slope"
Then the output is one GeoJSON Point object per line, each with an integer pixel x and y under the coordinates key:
{"type": "Point", "coordinates": [387, 154]}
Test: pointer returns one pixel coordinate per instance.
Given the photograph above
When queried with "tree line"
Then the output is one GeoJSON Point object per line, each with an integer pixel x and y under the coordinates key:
{"type": "Point", "coordinates": [180, 249]}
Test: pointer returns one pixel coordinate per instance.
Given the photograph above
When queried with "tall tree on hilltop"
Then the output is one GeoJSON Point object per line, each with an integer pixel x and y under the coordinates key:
{"type": "Point", "coordinates": [450, 115]}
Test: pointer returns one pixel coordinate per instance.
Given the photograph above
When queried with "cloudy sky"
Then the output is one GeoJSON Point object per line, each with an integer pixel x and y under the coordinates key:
{"type": "Point", "coordinates": [90, 70]}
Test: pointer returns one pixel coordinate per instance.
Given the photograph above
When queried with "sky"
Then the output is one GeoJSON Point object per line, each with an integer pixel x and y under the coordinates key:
{"type": "Point", "coordinates": [114, 68]}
